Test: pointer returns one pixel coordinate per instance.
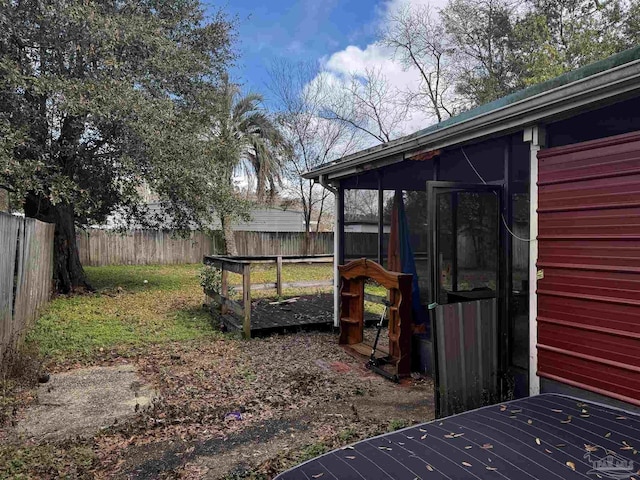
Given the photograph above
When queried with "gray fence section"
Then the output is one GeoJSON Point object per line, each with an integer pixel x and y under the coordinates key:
{"type": "Point", "coordinates": [26, 275]}
{"type": "Point", "coordinates": [467, 349]}
{"type": "Point", "coordinates": [145, 247]}
{"type": "Point", "coordinates": [284, 243]}
{"type": "Point", "coordinates": [160, 247]}
{"type": "Point", "coordinates": [153, 247]}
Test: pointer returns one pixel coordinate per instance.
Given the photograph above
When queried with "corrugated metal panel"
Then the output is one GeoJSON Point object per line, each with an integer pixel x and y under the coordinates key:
{"type": "Point", "coordinates": [467, 350]}
{"type": "Point", "coordinates": [589, 249]}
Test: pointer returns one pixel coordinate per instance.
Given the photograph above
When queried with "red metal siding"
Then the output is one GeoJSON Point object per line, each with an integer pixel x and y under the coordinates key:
{"type": "Point", "coordinates": [589, 249]}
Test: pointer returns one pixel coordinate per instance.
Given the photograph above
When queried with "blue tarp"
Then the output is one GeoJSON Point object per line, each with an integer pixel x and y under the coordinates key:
{"type": "Point", "coordinates": [408, 263]}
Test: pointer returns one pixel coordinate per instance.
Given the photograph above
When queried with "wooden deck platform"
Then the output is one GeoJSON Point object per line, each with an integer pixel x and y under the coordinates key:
{"type": "Point", "coordinates": [308, 311]}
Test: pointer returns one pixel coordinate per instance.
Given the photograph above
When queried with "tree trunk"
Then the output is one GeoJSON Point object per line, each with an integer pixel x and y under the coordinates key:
{"type": "Point", "coordinates": [68, 274]}
{"type": "Point", "coordinates": [229, 237]}
{"type": "Point", "coordinates": [4, 200]}
{"type": "Point", "coordinates": [260, 189]}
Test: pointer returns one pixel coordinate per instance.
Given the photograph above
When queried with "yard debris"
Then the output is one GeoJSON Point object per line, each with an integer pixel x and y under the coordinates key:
{"type": "Point", "coordinates": [288, 385]}
{"type": "Point", "coordinates": [233, 416]}
{"type": "Point", "coordinates": [288, 300]}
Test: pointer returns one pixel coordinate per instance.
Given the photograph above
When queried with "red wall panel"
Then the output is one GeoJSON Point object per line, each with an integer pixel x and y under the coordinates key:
{"type": "Point", "coordinates": [589, 249]}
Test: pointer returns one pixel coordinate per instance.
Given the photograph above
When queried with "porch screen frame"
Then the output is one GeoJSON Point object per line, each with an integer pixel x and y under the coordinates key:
{"type": "Point", "coordinates": [498, 189]}
{"type": "Point", "coordinates": [432, 186]}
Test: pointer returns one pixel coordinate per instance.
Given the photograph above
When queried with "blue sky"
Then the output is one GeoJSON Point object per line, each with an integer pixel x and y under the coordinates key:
{"type": "Point", "coordinates": [297, 30]}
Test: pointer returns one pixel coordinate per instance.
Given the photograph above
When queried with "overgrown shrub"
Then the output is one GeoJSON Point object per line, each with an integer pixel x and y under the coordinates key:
{"type": "Point", "coordinates": [211, 278]}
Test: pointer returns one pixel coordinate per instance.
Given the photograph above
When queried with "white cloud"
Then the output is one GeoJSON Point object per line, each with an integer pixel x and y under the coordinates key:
{"type": "Point", "coordinates": [354, 59]}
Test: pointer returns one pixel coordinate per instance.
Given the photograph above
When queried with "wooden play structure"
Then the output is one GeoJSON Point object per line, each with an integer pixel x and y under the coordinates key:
{"type": "Point", "coordinates": [353, 277]}
{"type": "Point", "coordinates": [236, 315]}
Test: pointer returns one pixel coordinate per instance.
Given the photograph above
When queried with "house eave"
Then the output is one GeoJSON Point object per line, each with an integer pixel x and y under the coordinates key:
{"type": "Point", "coordinates": [598, 89]}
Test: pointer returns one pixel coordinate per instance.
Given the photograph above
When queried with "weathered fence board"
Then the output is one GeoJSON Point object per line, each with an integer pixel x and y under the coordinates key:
{"type": "Point", "coordinates": [147, 247]}
{"type": "Point", "coordinates": [9, 228]}
{"type": "Point", "coordinates": [284, 243]}
{"type": "Point", "coordinates": [26, 268]}
{"type": "Point", "coordinates": [35, 270]}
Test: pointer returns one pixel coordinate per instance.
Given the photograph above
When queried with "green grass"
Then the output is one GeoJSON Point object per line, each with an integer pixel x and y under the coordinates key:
{"type": "Point", "coordinates": [125, 312]}
{"type": "Point", "coordinates": [397, 424]}
{"type": "Point", "coordinates": [136, 306]}
{"type": "Point", "coordinates": [46, 460]}
{"type": "Point", "coordinates": [131, 277]}
{"type": "Point", "coordinates": [290, 273]}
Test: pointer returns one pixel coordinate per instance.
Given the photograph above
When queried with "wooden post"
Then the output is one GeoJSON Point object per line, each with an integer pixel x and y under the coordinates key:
{"type": "Point", "coordinates": [224, 288]}
{"type": "Point", "coordinates": [246, 297]}
{"type": "Point", "coordinates": [279, 275]}
{"type": "Point", "coordinates": [536, 137]}
{"type": "Point", "coordinates": [380, 220]}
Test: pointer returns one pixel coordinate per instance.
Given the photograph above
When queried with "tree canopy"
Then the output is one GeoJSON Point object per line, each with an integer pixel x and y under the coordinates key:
{"type": "Point", "coordinates": [260, 148]}
{"type": "Point", "coordinates": [100, 98]}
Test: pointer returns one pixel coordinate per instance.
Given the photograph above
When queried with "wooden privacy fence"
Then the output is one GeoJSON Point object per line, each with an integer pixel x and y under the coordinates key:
{"type": "Point", "coordinates": [26, 275]}
{"type": "Point", "coordinates": [284, 243]}
{"type": "Point", "coordinates": [145, 247]}
{"type": "Point", "coordinates": [242, 266]}
{"type": "Point", "coordinates": [161, 247]}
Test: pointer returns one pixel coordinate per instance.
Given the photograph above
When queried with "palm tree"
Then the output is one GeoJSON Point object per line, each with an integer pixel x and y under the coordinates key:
{"type": "Point", "coordinates": [258, 147]}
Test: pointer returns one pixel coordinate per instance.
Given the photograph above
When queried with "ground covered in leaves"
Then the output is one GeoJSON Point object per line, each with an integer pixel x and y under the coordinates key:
{"type": "Point", "coordinates": [226, 408]}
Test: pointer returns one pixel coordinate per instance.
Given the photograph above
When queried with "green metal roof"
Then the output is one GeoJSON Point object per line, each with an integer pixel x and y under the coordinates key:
{"type": "Point", "coordinates": [569, 77]}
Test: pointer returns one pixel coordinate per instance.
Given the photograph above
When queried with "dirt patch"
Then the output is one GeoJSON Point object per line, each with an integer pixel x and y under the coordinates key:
{"type": "Point", "coordinates": [82, 401]}
{"type": "Point", "coordinates": [215, 454]}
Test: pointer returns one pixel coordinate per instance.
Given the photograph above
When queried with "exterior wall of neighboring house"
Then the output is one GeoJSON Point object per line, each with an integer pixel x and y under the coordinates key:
{"type": "Point", "coordinates": [364, 227]}
{"type": "Point", "coordinates": [271, 219]}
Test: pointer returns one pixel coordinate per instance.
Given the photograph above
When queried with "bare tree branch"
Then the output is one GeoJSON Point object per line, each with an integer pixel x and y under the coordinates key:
{"type": "Point", "coordinates": [300, 92]}
{"type": "Point", "coordinates": [419, 41]}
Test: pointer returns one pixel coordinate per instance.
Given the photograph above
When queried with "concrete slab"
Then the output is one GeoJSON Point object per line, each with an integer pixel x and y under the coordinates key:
{"type": "Point", "coordinates": [82, 401]}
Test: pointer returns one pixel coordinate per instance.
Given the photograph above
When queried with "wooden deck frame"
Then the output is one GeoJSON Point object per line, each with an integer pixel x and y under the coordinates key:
{"type": "Point", "coordinates": [242, 266]}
